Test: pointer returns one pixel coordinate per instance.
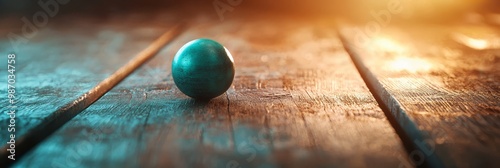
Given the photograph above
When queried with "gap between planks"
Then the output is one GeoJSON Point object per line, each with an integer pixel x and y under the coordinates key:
{"type": "Point", "coordinates": [65, 113]}
{"type": "Point", "coordinates": [413, 139]}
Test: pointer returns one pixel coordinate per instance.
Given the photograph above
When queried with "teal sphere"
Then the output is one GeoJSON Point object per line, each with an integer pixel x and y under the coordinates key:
{"type": "Point", "coordinates": [203, 69]}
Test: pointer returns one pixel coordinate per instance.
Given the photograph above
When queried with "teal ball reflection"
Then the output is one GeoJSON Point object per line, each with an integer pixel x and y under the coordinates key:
{"type": "Point", "coordinates": [203, 69]}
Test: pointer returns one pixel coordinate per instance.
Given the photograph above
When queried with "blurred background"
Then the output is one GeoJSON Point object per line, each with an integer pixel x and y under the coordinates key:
{"type": "Point", "coordinates": [427, 10]}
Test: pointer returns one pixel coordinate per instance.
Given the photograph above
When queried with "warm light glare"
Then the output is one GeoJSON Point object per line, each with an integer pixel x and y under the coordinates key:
{"type": "Point", "coordinates": [410, 65]}
{"type": "Point", "coordinates": [386, 11]}
{"type": "Point", "coordinates": [402, 62]}
{"type": "Point", "coordinates": [389, 45]}
{"type": "Point", "coordinates": [478, 44]}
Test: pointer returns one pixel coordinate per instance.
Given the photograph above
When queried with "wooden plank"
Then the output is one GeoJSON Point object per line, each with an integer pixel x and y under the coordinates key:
{"type": "Point", "coordinates": [444, 95]}
{"type": "Point", "coordinates": [296, 101]}
{"type": "Point", "coordinates": [45, 103]}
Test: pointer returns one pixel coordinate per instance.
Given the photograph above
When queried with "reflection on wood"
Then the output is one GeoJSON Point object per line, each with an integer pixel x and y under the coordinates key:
{"type": "Point", "coordinates": [449, 91]}
{"type": "Point", "coordinates": [297, 101]}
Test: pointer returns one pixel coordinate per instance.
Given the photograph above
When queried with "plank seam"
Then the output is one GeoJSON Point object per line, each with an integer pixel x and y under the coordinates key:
{"type": "Point", "coordinates": [65, 113]}
{"type": "Point", "coordinates": [404, 126]}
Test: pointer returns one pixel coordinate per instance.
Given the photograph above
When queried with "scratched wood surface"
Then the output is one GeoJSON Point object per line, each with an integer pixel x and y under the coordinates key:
{"type": "Point", "coordinates": [296, 101]}
{"type": "Point", "coordinates": [60, 63]}
{"type": "Point", "coordinates": [447, 80]}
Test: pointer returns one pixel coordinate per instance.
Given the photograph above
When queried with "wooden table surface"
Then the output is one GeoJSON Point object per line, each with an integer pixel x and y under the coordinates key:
{"type": "Point", "coordinates": [441, 86]}
{"type": "Point", "coordinates": [307, 93]}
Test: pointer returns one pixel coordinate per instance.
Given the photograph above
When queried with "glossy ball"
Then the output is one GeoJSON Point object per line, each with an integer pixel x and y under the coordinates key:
{"type": "Point", "coordinates": [203, 69]}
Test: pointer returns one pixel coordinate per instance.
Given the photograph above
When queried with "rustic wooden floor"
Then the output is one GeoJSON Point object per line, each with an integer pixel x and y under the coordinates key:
{"type": "Point", "coordinates": [304, 95]}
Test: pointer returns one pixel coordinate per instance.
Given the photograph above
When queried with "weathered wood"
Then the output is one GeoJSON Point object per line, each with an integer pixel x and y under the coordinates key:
{"type": "Point", "coordinates": [59, 117]}
{"type": "Point", "coordinates": [296, 101]}
{"type": "Point", "coordinates": [53, 73]}
{"type": "Point", "coordinates": [447, 91]}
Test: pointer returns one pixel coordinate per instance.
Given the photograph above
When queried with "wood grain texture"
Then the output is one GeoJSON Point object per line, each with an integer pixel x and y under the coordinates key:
{"type": "Point", "coordinates": [296, 101]}
{"type": "Point", "coordinates": [54, 71]}
{"type": "Point", "coordinates": [449, 90]}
